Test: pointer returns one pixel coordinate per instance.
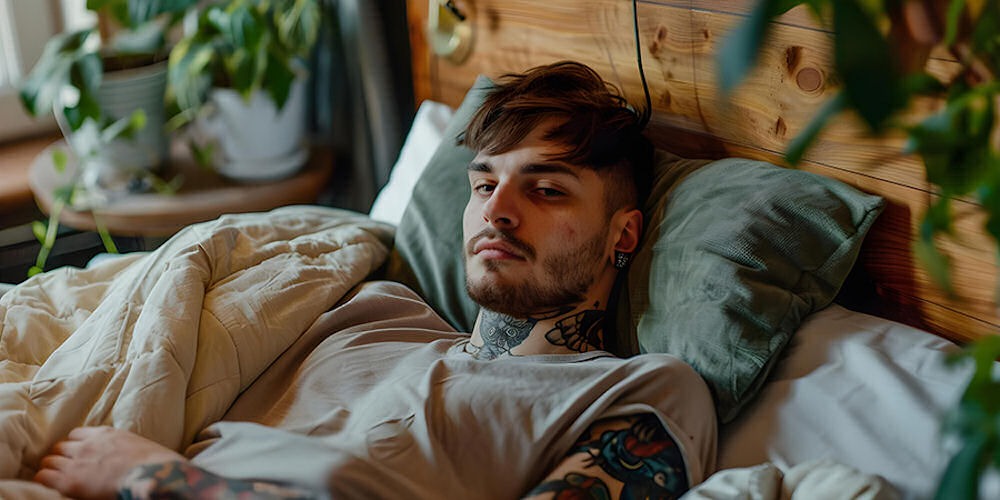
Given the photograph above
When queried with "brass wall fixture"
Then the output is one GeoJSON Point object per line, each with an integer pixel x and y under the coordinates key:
{"type": "Point", "coordinates": [449, 32]}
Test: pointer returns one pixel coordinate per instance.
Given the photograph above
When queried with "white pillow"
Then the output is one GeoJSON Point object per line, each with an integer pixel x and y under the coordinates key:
{"type": "Point", "coordinates": [425, 134]}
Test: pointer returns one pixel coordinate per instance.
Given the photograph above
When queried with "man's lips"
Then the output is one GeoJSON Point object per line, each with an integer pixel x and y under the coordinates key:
{"type": "Point", "coordinates": [496, 249]}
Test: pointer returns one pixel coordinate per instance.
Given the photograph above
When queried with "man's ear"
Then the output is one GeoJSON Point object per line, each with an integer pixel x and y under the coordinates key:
{"type": "Point", "coordinates": [628, 224]}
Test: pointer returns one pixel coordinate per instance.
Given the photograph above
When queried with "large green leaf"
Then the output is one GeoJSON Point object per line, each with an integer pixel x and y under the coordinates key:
{"type": "Point", "coordinates": [986, 35]}
{"type": "Point", "coordinates": [278, 80]}
{"type": "Point", "coordinates": [739, 51]}
{"type": "Point", "coordinates": [51, 73]}
{"type": "Point", "coordinates": [297, 23]}
{"type": "Point", "coordinates": [797, 148]}
{"type": "Point", "coordinates": [955, 143]}
{"type": "Point", "coordinates": [143, 11]}
{"type": "Point", "coordinates": [961, 477]}
{"type": "Point", "coordinates": [862, 58]}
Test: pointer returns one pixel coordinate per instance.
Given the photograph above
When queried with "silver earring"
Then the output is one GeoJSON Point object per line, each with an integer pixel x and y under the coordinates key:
{"type": "Point", "coordinates": [621, 259]}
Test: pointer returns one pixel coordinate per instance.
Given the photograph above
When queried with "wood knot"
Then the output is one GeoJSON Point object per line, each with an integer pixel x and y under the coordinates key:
{"type": "Point", "coordinates": [780, 128]}
{"type": "Point", "coordinates": [666, 99]}
{"type": "Point", "coordinates": [492, 20]}
{"type": "Point", "coordinates": [661, 34]}
{"type": "Point", "coordinates": [809, 79]}
{"type": "Point", "coordinates": [705, 33]}
{"type": "Point", "coordinates": [793, 55]}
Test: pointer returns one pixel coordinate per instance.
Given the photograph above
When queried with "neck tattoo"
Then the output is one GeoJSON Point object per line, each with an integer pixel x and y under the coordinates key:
{"type": "Point", "coordinates": [501, 333]}
{"type": "Point", "coordinates": [580, 332]}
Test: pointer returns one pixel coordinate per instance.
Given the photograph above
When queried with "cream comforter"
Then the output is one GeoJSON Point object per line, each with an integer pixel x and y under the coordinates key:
{"type": "Point", "coordinates": [162, 343]}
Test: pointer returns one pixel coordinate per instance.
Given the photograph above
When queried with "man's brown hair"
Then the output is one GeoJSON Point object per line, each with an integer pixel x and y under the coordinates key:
{"type": "Point", "coordinates": [596, 125]}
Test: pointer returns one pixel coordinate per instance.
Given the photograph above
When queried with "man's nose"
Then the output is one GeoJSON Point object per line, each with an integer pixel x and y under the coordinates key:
{"type": "Point", "coordinates": [501, 209]}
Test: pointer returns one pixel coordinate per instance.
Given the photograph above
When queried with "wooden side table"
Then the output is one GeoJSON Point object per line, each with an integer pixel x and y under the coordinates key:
{"type": "Point", "coordinates": [204, 195]}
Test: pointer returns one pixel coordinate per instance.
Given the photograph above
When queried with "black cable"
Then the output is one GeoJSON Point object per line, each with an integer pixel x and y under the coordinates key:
{"type": "Point", "coordinates": [645, 115]}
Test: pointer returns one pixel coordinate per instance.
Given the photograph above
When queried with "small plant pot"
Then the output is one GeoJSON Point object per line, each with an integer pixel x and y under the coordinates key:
{"type": "Point", "coordinates": [251, 139]}
{"type": "Point", "coordinates": [123, 165]}
{"type": "Point", "coordinates": [124, 91]}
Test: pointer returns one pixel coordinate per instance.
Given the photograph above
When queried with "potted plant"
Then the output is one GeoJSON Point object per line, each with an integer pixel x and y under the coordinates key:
{"type": "Point", "coordinates": [89, 81]}
{"type": "Point", "coordinates": [106, 92]}
{"type": "Point", "coordinates": [237, 81]}
{"type": "Point", "coordinates": [881, 51]}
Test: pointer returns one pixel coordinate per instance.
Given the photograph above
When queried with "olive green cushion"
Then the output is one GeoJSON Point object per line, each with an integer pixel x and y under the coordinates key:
{"type": "Point", "coordinates": [734, 259]}
{"type": "Point", "coordinates": [735, 255]}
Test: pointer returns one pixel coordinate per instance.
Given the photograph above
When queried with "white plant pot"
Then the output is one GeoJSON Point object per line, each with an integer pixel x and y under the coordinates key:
{"type": "Point", "coordinates": [253, 140]}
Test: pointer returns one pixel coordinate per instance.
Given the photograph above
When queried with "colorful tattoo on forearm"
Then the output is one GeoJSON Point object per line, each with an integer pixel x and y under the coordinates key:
{"type": "Point", "coordinates": [644, 457]}
{"type": "Point", "coordinates": [574, 486]}
{"type": "Point", "coordinates": [181, 480]}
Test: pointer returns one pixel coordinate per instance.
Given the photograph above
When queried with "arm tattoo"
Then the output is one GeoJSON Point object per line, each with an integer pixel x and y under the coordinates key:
{"type": "Point", "coordinates": [580, 332]}
{"type": "Point", "coordinates": [179, 480]}
{"type": "Point", "coordinates": [643, 456]}
{"type": "Point", "coordinates": [574, 485]}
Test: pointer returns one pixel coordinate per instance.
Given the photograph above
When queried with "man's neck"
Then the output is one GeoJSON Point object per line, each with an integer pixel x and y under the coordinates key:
{"type": "Point", "coordinates": [562, 331]}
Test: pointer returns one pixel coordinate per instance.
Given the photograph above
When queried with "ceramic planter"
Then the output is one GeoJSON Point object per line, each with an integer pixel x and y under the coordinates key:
{"type": "Point", "coordinates": [253, 140]}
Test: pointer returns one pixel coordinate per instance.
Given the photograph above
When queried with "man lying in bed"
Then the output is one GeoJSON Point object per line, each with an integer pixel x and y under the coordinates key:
{"type": "Point", "coordinates": [528, 404]}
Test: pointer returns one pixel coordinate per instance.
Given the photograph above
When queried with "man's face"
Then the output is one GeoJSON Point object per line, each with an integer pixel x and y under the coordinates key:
{"type": "Point", "coordinates": [536, 231]}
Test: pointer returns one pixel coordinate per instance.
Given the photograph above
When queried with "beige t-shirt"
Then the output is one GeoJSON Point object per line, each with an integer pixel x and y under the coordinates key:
{"type": "Point", "coordinates": [387, 404]}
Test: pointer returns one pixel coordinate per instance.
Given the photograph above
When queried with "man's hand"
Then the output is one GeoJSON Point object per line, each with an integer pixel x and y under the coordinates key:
{"type": "Point", "coordinates": [92, 461]}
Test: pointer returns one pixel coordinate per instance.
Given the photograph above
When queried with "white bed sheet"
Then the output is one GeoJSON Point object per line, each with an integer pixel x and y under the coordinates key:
{"type": "Point", "coordinates": [861, 391]}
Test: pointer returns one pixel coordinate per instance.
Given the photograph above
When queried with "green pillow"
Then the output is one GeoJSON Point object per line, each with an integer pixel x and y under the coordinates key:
{"type": "Point", "coordinates": [427, 254]}
{"type": "Point", "coordinates": [734, 259]}
{"type": "Point", "coordinates": [735, 255]}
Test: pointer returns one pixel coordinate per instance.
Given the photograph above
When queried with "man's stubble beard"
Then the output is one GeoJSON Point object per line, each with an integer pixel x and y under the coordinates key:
{"type": "Point", "coordinates": [566, 279]}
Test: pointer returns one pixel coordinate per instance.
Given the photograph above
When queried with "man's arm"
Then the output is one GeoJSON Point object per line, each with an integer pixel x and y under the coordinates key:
{"type": "Point", "coordinates": [102, 462]}
{"type": "Point", "coordinates": [627, 458]}
{"type": "Point", "coordinates": [181, 479]}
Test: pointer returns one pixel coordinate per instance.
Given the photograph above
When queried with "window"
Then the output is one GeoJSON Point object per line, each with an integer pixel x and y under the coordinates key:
{"type": "Point", "coordinates": [25, 26]}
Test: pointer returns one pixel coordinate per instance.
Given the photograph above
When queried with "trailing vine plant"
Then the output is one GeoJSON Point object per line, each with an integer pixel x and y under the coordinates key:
{"type": "Point", "coordinates": [880, 52]}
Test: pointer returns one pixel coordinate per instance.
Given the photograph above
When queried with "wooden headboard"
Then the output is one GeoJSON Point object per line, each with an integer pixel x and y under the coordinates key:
{"type": "Point", "coordinates": [679, 39]}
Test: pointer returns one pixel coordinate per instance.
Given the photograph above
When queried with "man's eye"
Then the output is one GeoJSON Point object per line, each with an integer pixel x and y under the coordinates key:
{"type": "Point", "coordinates": [483, 188]}
{"type": "Point", "coordinates": [549, 192]}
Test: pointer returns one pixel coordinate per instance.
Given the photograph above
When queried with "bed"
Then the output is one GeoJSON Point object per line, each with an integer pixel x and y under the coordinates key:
{"type": "Point", "coordinates": [850, 372]}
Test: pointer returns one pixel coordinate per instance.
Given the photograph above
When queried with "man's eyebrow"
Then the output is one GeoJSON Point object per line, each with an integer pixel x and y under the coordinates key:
{"type": "Point", "coordinates": [550, 168]}
{"type": "Point", "coordinates": [531, 168]}
{"type": "Point", "coordinates": [478, 166]}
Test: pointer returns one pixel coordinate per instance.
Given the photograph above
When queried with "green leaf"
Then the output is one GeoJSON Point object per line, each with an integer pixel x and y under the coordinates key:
{"type": "Point", "coordinates": [124, 127]}
{"type": "Point", "coordinates": [804, 139]}
{"type": "Point", "coordinates": [202, 155]}
{"type": "Point", "coordinates": [278, 80]}
{"type": "Point", "coordinates": [34, 270]}
{"type": "Point", "coordinates": [43, 85]}
{"type": "Point", "coordinates": [955, 143]}
{"type": "Point", "coordinates": [87, 109]}
{"type": "Point", "coordinates": [38, 229]}
{"type": "Point", "coordinates": [59, 160]}
{"type": "Point", "coordinates": [954, 16]}
{"type": "Point", "coordinates": [937, 264]}
{"type": "Point", "coordinates": [189, 74]}
{"type": "Point", "coordinates": [961, 477]}
{"type": "Point", "coordinates": [863, 60]}
{"type": "Point", "coordinates": [741, 47]}
{"type": "Point", "coordinates": [146, 38]}
{"type": "Point", "coordinates": [298, 26]}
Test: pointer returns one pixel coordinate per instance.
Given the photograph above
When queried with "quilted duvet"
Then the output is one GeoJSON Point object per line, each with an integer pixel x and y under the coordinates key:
{"type": "Point", "coordinates": [162, 343]}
